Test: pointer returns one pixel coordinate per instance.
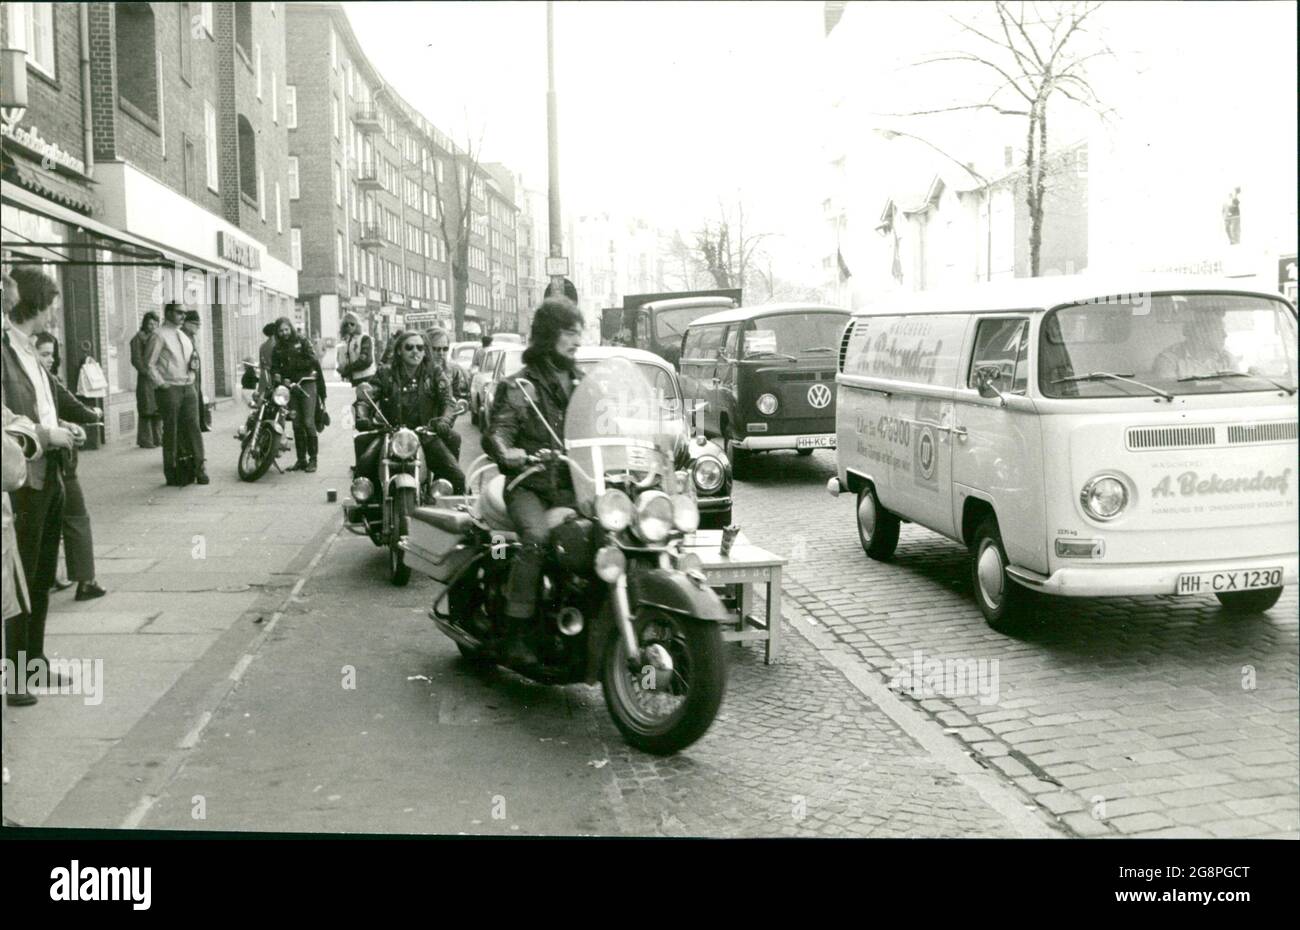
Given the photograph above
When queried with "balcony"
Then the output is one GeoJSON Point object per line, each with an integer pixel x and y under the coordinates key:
{"type": "Point", "coordinates": [371, 237]}
{"type": "Point", "coordinates": [368, 177]}
{"type": "Point", "coordinates": [367, 119]}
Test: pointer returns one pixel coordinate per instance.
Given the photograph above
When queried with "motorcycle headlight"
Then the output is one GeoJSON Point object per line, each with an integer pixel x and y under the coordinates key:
{"type": "Point", "coordinates": [611, 563]}
{"type": "Point", "coordinates": [686, 513]}
{"type": "Point", "coordinates": [708, 474]}
{"type": "Point", "coordinates": [767, 404]}
{"type": "Point", "coordinates": [281, 396]}
{"type": "Point", "coordinates": [654, 516]}
{"type": "Point", "coordinates": [405, 444]}
{"type": "Point", "coordinates": [614, 510]}
{"type": "Point", "coordinates": [1104, 497]}
{"type": "Point", "coordinates": [362, 490]}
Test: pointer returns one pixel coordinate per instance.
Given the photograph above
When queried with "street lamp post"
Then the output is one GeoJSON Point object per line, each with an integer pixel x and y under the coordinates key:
{"type": "Point", "coordinates": [891, 134]}
{"type": "Point", "coordinates": [553, 149]}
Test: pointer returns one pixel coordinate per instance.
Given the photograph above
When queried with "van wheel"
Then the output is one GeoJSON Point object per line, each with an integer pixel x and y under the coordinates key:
{"type": "Point", "coordinates": [877, 527]}
{"type": "Point", "coordinates": [1006, 605]}
{"type": "Point", "coordinates": [1249, 602]}
{"type": "Point", "coordinates": [804, 453]}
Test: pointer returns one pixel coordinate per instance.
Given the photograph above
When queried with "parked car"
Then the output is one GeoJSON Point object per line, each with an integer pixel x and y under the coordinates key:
{"type": "Point", "coordinates": [507, 337]}
{"type": "Point", "coordinates": [1081, 437]}
{"type": "Point", "coordinates": [704, 460]}
{"type": "Point", "coordinates": [504, 363]}
{"type": "Point", "coordinates": [484, 361]}
{"type": "Point", "coordinates": [462, 354]}
{"type": "Point", "coordinates": [767, 375]}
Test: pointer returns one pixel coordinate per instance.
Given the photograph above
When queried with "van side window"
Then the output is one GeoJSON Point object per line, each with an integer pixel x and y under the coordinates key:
{"type": "Point", "coordinates": [731, 342]}
{"type": "Point", "coordinates": [710, 341]}
{"type": "Point", "coordinates": [1002, 345]}
{"type": "Point", "coordinates": [691, 344]}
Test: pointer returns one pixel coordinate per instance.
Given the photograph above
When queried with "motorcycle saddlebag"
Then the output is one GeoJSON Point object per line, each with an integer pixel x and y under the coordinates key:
{"type": "Point", "coordinates": [438, 542]}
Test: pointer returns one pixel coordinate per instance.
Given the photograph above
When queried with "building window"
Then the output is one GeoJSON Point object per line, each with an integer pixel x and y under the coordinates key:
{"type": "Point", "coordinates": [189, 179]}
{"type": "Point", "coordinates": [334, 113]}
{"type": "Point", "coordinates": [205, 17]}
{"type": "Point", "coordinates": [279, 219]}
{"type": "Point", "coordinates": [291, 106]}
{"type": "Point", "coordinates": [261, 195]}
{"type": "Point", "coordinates": [293, 177]}
{"type": "Point", "coordinates": [243, 28]}
{"type": "Point", "coordinates": [210, 143]}
{"type": "Point", "coordinates": [185, 39]}
{"type": "Point", "coordinates": [295, 248]}
{"type": "Point", "coordinates": [137, 75]}
{"type": "Point", "coordinates": [257, 68]}
{"type": "Point", "coordinates": [339, 259]}
{"type": "Point", "coordinates": [338, 185]}
{"type": "Point", "coordinates": [247, 157]}
{"type": "Point", "coordinates": [334, 50]}
{"type": "Point", "coordinates": [275, 100]}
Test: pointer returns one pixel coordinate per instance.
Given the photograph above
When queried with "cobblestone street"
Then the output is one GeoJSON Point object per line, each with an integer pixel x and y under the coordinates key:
{"type": "Point", "coordinates": [1154, 716]}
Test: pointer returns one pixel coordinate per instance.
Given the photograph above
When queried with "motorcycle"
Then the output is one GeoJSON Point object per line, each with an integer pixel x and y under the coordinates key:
{"type": "Point", "coordinates": [621, 603]}
{"type": "Point", "coordinates": [266, 433]}
{"type": "Point", "coordinates": [390, 480]}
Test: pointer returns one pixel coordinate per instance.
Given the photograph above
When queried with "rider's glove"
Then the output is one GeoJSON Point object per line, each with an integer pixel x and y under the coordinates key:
{"type": "Point", "coordinates": [441, 426]}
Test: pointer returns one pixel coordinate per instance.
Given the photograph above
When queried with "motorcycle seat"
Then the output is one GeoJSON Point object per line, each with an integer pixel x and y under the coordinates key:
{"type": "Point", "coordinates": [492, 509]}
{"type": "Point", "coordinates": [451, 521]}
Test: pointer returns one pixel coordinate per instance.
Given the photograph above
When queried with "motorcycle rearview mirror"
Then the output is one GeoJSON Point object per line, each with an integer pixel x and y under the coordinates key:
{"type": "Point", "coordinates": [528, 388]}
{"type": "Point", "coordinates": [461, 406]}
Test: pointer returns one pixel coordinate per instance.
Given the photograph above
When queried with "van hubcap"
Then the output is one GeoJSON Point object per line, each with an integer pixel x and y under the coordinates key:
{"type": "Point", "coordinates": [990, 574]}
{"type": "Point", "coordinates": [867, 516]}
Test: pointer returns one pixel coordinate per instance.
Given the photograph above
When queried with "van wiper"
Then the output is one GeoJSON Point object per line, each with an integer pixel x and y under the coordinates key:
{"type": "Point", "coordinates": [762, 353]}
{"type": "Point", "coordinates": [1239, 374]}
{"type": "Point", "coordinates": [820, 349]}
{"type": "Point", "coordinates": [1127, 378]}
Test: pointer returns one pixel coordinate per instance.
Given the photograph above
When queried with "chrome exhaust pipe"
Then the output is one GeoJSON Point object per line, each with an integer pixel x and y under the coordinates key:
{"type": "Point", "coordinates": [570, 621]}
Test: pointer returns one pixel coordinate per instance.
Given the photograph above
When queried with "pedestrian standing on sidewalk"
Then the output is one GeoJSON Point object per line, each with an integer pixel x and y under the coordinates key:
{"type": "Point", "coordinates": [264, 359]}
{"type": "Point", "coordinates": [357, 360]}
{"type": "Point", "coordinates": [20, 445]}
{"type": "Point", "coordinates": [294, 362]}
{"type": "Point", "coordinates": [148, 430]}
{"type": "Point", "coordinates": [78, 543]}
{"type": "Point", "coordinates": [191, 327]}
{"type": "Point", "coordinates": [170, 353]}
{"type": "Point", "coordinates": [38, 507]}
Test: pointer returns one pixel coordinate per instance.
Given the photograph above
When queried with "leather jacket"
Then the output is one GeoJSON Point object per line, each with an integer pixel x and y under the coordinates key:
{"type": "Point", "coordinates": [415, 401]}
{"type": "Point", "coordinates": [293, 359]}
{"type": "Point", "coordinates": [515, 425]}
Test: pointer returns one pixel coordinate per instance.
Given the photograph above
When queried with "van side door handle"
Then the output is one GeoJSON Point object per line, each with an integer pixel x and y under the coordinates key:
{"type": "Point", "coordinates": [961, 433]}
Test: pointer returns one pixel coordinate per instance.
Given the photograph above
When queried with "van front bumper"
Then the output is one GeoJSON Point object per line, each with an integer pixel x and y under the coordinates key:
{"type": "Point", "coordinates": [1132, 580]}
{"type": "Point", "coordinates": [765, 443]}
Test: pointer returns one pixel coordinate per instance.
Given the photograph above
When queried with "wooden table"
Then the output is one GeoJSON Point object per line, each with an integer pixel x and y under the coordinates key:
{"type": "Point", "coordinates": [746, 566]}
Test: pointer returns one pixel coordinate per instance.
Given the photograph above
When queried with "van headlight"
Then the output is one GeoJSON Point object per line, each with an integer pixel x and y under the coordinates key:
{"type": "Point", "coordinates": [405, 443]}
{"type": "Point", "coordinates": [281, 396]}
{"type": "Point", "coordinates": [654, 516]}
{"type": "Point", "coordinates": [614, 510]}
{"type": "Point", "coordinates": [686, 513]}
{"type": "Point", "coordinates": [1104, 497]}
{"type": "Point", "coordinates": [767, 404]}
{"type": "Point", "coordinates": [708, 474]}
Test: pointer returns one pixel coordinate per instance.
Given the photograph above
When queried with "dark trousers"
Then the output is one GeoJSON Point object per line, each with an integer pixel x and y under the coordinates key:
{"type": "Point", "coordinates": [441, 462]}
{"type": "Point", "coordinates": [78, 544]}
{"type": "Point", "coordinates": [149, 432]}
{"type": "Point", "coordinates": [37, 518]}
{"type": "Point", "coordinates": [179, 404]}
{"type": "Point", "coordinates": [303, 404]}
{"type": "Point", "coordinates": [527, 511]}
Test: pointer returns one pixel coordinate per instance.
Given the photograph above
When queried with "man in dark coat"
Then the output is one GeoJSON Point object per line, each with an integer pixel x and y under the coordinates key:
{"type": "Point", "coordinates": [148, 430]}
{"type": "Point", "coordinates": [294, 362]}
{"type": "Point", "coordinates": [415, 393]}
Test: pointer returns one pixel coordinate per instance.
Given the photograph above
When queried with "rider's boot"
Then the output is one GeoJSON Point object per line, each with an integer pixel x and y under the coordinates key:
{"type": "Point", "coordinates": [521, 604]}
{"type": "Point", "coordinates": [312, 447]}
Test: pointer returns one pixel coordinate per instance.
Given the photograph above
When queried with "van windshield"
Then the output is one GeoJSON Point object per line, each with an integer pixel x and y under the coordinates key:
{"type": "Point", "coordinates": [671, 323]}
{"type": "Point", "coordinates": [1172, 343]}
{"type": "Point", "coordinates": [795, 334]}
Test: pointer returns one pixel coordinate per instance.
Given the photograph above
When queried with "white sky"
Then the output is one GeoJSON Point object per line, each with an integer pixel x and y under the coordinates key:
{"type": "Point", "coordinates": [663, 107]}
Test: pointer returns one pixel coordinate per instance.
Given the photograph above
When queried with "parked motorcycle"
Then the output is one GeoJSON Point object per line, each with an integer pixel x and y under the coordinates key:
{"type": "Point", "coordinates": [389, 480]}
{"type": "Point", "coordinates": [621, 602]}
{"type": "Point", "coordinates": [265, 434]}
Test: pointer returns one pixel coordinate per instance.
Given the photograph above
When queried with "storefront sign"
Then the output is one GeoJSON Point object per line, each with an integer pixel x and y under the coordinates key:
{"type": "Point", "coordinates": [392, 297]}
{"type": "Point", "coordinates": [413, 319]}
{"type": "Point", "coordinates": [238, 251]}
{"type": "Point", "coordinates": [51, 154]}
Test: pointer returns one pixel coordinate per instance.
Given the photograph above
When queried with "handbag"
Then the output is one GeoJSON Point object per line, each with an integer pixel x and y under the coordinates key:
{"type": "Point", "coordinates": [322, 417]}
{"type": "Point", "coordinates": [91, 381]}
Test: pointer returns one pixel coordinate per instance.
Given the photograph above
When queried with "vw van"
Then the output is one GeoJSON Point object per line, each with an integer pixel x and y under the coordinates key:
{"type": "Point", "coordinates": [1081, 437]}
{"type": "Point", "coordinates": [766, 377]}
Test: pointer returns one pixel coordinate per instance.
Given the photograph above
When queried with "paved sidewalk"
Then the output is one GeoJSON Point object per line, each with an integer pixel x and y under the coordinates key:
{"type": "Point", "coordinates": [186, 569]}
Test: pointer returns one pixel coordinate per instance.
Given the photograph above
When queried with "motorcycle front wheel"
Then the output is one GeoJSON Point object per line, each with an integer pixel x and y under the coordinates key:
{"type": "Point", "coordinates": [256, 453]}
{"type": "Point", "coordinates": [403, 504]}
{"type": "Point", "coordinates": [661, 716]}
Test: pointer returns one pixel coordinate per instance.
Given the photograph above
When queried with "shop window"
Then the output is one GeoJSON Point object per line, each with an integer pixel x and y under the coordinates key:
{"type": "Point", "coordinates": [137, 75]}
{"type": "Point", "coordinates": [247, 159]}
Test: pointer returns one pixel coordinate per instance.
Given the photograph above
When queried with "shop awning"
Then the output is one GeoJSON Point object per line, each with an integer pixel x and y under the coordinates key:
{"type": "Point", "coordinates": [124, 248]}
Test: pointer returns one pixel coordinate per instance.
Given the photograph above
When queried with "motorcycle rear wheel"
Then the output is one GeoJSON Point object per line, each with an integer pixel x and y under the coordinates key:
{"type": "Point", "coordinates": [399, 573]}
{"type": "Point", "coordinates": [693, 695]}
{"type": "Point", "coordinates": [257, 452]}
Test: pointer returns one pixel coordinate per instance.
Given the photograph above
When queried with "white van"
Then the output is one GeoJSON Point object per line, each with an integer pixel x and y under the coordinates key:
{"type": "Point", "coordinates": [1080, 437]}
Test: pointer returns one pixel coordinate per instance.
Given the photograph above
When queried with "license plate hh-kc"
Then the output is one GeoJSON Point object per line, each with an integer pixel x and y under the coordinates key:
{"type": "Point", "coordinates": [815, 442]}
{"type": "Point", "coordinates": [1221, 582]}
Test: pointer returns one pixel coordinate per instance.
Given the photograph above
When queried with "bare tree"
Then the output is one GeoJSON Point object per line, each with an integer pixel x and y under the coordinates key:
{"type": "Point", "coordinates": [1037, 54]}
{"type": "Point", "coordinates": [455, 193]}
{"type": "Point", "coordinates": [683, 267]}
{"type": "Point", "coordinates": [726, 256]}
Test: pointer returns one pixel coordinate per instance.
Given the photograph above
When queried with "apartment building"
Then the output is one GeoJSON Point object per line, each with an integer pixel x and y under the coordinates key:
{"type": "Point", "coordinates": [183, 134]}
{"type": "Point", "coordinates": [501, 247]}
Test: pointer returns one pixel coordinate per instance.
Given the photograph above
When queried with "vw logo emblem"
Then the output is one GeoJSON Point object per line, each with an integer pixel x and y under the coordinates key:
{"type": "Point", "coordinates": [819, 395]}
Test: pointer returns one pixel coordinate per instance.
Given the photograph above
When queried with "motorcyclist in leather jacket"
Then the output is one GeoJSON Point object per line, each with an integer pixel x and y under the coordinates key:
{"type": "Point", "coordinates": [292, 360]}
{"type": "Point", "coordinates": [415, 393]}
{"type": "Point", "coordinates": [517, 432]}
